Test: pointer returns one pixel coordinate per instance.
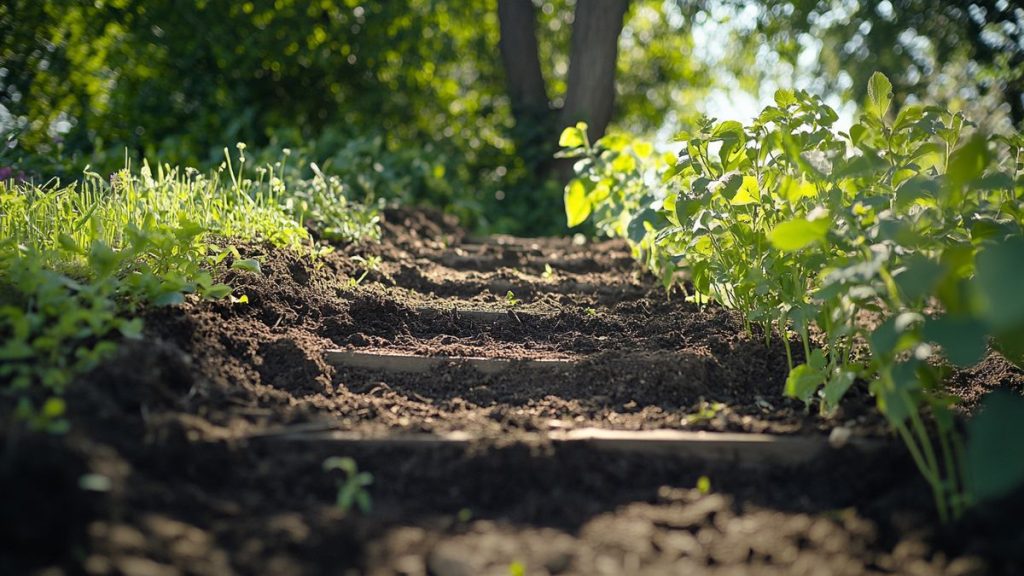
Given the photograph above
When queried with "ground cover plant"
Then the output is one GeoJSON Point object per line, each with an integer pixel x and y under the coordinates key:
{"type": "Point", "coordinates": [897, 242]}
{"type": "Point", "coordinates": [80, 261]}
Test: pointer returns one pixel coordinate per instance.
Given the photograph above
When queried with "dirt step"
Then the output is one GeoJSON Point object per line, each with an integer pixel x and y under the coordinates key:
{"type": "Point", "coordinates": [485, 316]}
{"type": "Point", "coordinates": [708, 447]}
{"type": "Point", "coordinates": [489, 261]}
{"type": "Point", "coordinates": [391, 362]}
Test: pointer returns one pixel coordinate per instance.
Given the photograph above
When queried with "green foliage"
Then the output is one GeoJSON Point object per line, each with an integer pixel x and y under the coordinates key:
{"type": "Point", "coordinates": [400, 101]}
{"type": "Point", "coordinates": [78, 261]}
{"type": "Point", "coordinates": [352, 489]}
{"type": "Point", "coordinates": [798, 225]}
{"type": "Point", "coordinates": [995, 449]}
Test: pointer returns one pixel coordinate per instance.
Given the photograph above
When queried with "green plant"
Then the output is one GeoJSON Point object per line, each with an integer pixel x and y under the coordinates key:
{"type": "Point", "coordinates": [511, 301]}
{"type": "Point", "coordinates": [704, 485]}
{"type": "Point", "coordinates": [370, 264]}
{"type": "Point", "coordinates": [78, 261]}
{"type": "Point", "coordinates": [352, 488]}
{"type": "Point", "coordinates": [896, 243]}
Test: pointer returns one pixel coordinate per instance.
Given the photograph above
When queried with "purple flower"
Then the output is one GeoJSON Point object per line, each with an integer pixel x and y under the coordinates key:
{"type": "Point", "coordinates": [6, 172]}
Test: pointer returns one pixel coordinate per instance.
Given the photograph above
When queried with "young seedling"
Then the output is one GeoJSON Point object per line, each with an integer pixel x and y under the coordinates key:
{"type": "Point", "coordinates": [704, 485]}
{"type": "Point", "coordinates": [510, 300]}
{"type": "Point", "coordinates": [370, 264]}
{"type": "Point", "coordinates": [352, 488]}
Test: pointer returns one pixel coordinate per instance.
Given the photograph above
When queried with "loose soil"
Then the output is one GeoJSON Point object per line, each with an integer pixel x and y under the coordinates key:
{"type": "Point", "coordinates": [172, 465]}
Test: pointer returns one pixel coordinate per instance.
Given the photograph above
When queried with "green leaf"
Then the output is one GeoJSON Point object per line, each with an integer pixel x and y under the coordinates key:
{"type": "Point", "coordinates": [53, 408]}
{"type": "Point", "coordinates": [803, 382]}
{"type": "Point", "coordinates": [217, 291]}
{"type": "Point", "coordinates": [67, 242]}
{"type": "Point", "coordinates": [995, 446]}
{"type": "Point", "coordinates": [624, 163]}
{"type": "Point", "coordinates": [573, 136]}
{"type": "Point", "coordinates": [102, 259]}
{"type": "Point", "coordinates": [131, 329]}
{"type": "Point", "coordinates": [748, 193]}
{"type": "Point", "coordinates": [247, 265]}
{"type": "Point", "coordinates": [784, 97]}
{"type": "Point", "coordinates": [968, 162]}
{"type": "Point", "coordinates": [577, 207]}
{"type": "Point", "coordinates": [837, 385]}
{"type": "Point", "coordinates": [636, 230]}
{"type": "Point", "coordinates": [169, 299]}
{"type": "Point", "coordinates": [729, 184]}
{"type": "Point", "coordinates": [963, 340]}
{"type": "Point", "coordinates": [798, 233]}
{"type": "Point", "coordinates": [919, 276]}
{"type": "Point", "coordinates": [879, 94]}
{"type": "Point", "coordinates": [998, 278]}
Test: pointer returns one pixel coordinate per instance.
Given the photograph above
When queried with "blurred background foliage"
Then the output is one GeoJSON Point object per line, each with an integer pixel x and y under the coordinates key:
{"type": "Point", "coordinates": [407, 101]}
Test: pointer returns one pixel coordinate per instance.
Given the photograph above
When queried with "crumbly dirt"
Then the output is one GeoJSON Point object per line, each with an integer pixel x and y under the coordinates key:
{"type": "Point", "coordinates": [165, 470]}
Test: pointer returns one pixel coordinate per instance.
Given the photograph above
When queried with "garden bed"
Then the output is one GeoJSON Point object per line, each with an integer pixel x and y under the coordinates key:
{"type": "Point", "coordinates": [174, 436]}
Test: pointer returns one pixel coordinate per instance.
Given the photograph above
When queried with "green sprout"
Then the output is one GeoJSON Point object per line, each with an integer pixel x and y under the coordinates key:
{"type": "Point", "coordinates": [510, 300]}
{"type": "Point", "coordinates": [352, 488]}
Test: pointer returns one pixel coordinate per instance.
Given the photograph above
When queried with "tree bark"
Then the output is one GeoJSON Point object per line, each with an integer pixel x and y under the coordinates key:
{"type": "Point", "coordinates": [529, 97]}
{"type": "Point", "coordinates": [593, 56]}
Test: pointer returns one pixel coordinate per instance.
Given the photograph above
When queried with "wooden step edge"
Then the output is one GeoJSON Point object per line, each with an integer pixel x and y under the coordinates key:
{"type": "Point", "coordinates": [392, 362]}
{"type": "Point", "coordinates": [482, 316]}
{"type": "Point", "coordinates": [713, 447]}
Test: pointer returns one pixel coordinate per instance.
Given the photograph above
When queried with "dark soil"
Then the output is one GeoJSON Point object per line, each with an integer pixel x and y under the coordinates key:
{"type": "Point", "coordinates": [167, 468]}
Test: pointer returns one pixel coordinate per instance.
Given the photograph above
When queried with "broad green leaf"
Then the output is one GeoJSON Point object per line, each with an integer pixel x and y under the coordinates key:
{"type": "Point", "coordinates": [879, 94]}
{"type": "Point", "coordinates": [573, 136]}
{"type": "Point", "coordinates": [729, 184]}
{"type": "Point", "coordinates": [999, 278]}
{"type": "Point", "coordinates": [793, 189]}
{"type": "Point", "coordinates": [968, 161]}
{"type": "Point", "coordinates": [784, 97]}
{"type": "Point", "coordinates": [963, 340]}
{"type": "Point", "coordinates": [102, 259]}
{"type": "Point", "coordinates": [577, 207]}
{"type": "Point", "coordinates": [247, 265]}
{"type": "Point", "coordinates": [918, 277]}
{"type": "Point", "coordinates": [624, 163]}
{"type": "Point", "coordinates": [837, 385]}
{"type": "Point", "coordinates": [169, 299]}
{"type": "Point", "coordinates": [642, 149]}
{"type": "Point", "coordinates": [637, 230]}
{"type": "Point", "coordinates": [802, 382]}
{"type": "Point", "coordinates": [798, 233]}
{"type": "Point", "coordinates": [748, 193]}
{"type": "Point", "coordinates": [995, 446]}
{"type": "Point", "coordinates": [217, 291]}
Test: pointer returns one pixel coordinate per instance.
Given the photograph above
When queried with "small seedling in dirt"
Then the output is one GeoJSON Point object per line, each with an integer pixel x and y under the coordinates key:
{"type": "Point", "coordinates": [704, 485]}
{"type": "Point", "coordinates": [370, 264]}
{"type": "Point", "coordinates": [549, 272]}
{"type": "Point", "coordinates": [464, 515]}
{"type": "Point", "coordinates": [516, 569]}
{"type": "Point", "coordinates": [706, 411]}
{"type": "Point", "coordinates": [510, 300]}
{"type": "Point", "coordinates": [592, 312]}
{"type": "Point", "coordinates": [351, 488]}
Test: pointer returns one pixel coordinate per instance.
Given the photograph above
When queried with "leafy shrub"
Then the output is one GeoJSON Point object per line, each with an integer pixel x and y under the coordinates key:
{"type": "Point", "coordinates": [908, 221]}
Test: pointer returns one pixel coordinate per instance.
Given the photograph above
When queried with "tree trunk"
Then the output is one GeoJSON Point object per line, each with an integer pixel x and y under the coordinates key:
{"type": "Point", "coordinates": [1016, 99]}
{"type": "Point", "coordinates": [527, 93]}
{"type": "Point", "coordinates": [592, 59]}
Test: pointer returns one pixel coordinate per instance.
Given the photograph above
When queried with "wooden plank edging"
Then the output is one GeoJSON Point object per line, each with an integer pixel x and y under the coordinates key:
{"type": "Point", "coordinates": [712, 447]}
{"type": "Point", "coordinates": [390, 362]}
